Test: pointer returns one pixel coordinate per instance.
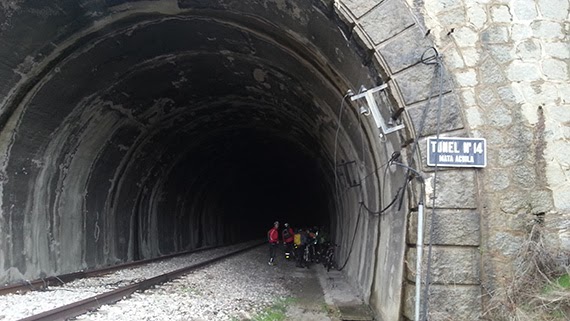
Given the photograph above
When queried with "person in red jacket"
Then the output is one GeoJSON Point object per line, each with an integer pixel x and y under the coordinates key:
{"type": "Point", "coordinates": [288, 236]}
{"type": "Point", "coordinates": [273, 238]}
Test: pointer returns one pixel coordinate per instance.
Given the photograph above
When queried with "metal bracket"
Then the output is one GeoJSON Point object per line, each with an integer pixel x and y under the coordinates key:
{"type": "Point", "coordinates": [348, 167]}
{"type": "Point", "coordinates": [373, 107]}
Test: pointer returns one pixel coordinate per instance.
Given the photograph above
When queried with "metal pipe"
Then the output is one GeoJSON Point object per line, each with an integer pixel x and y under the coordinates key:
{"type": "Point", "coordinates": [420, 240]}
{"type": "Point", "coordinates": [419, 252]}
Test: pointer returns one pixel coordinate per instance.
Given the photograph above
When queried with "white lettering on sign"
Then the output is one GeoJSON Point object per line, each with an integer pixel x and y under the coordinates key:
{"type": "Point", "coordinates": [456, 152]}
{"type": "Point", "coordinates": [445, 147]}
{"type": "Point", "coordinates": [463, 159]}
{"type": "Point", "coordinates": [451, 147]}
{"type": "Point", "coordinates": [478, 148]}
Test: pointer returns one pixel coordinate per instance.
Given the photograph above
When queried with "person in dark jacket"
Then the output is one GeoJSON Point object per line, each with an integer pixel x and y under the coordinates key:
{"type": "Point", "coordinates": [303, 240]}
{"type": "Point", "coordinates": [288, 236]}
{"type": "Point", "coordinates": [273, 238]}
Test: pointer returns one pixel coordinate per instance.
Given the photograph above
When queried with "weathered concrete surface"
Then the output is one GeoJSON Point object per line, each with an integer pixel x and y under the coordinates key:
{"type": "Point", "coordinates": [120, 141]}
{"type": "Point", "coordinates": [399, 43]}
{"type": "Point", "coordinates": [135, 129]}
{"type": "Point", "coordinates": [132, 129]}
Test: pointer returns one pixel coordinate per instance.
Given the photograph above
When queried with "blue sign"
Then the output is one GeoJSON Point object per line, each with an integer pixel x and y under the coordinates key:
{"type": "Point", "coordinates": [457, 152]}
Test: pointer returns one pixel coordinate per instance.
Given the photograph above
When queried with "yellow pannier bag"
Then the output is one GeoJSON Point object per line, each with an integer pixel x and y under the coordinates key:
{"type": "Point", "coordinates": [297, 239]}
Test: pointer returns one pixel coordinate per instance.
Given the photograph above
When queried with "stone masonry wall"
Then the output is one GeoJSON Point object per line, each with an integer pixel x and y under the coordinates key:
{"type": "Point", "coordinates": [396, 40]}
{"type": "Point", "coordinates": [506, 80]}
{"type": "Point", "coordinates": [510, 64]}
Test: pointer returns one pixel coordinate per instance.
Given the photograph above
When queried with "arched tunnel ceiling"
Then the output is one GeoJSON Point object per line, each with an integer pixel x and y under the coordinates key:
{"type": "Point", "coordinates": [155, 133]}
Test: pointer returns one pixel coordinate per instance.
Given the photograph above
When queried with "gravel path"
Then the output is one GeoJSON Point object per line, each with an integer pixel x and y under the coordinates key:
{"type": "Point", "coordinates": [235, 289]}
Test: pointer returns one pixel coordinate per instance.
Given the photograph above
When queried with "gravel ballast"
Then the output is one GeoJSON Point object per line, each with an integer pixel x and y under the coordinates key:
{"type": "Point", "coordinates": [236, 288]}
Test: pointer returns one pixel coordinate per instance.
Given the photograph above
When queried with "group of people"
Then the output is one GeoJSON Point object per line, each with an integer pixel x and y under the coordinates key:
{"type": "Point", "coordinates": [294, 242]}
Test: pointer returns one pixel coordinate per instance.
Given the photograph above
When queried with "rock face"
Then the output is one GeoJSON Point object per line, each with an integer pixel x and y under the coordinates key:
{"type": "Point", "coordinates": [132, 129]}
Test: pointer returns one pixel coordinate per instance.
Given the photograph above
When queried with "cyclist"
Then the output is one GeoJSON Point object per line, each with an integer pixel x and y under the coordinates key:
{"type": "Point", "coordinates": [273, 238]}
{"type": "Point", "coordinates": [313, 246]}
{"type": "Point", "coordinates": [303, 240]}
{"type": "Point", "coordinates": [297, 245]}
{"type": "Point", "coordinates": [288, 237]}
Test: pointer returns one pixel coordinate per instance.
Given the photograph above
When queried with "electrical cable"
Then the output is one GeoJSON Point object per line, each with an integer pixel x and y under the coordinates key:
{"type": "Point", "coordinates": [435, 59]}
{"type": "Point", "coordinates": [353, 238]}
{"type": "Point", "coordinates": [360, 125]}
{"type": "Point", "coordinates": [363, 205]}
{"type": "Point", "coordinates": [368, 175]}
{"type": "Point", "coordinates": [395, 155]}
{"type": "Point", "coordinates": [418, 175]}
{"type": "Point", "coordinates": [385, 208]}
{"type": "Point", "coordinates": [427, 61]}
{"type": "Point", "coordinates": [439, 66]}
{"type": "Point", "coordinates": [336, 185]}
{"type": "Point", "coordinates": [378, 168]}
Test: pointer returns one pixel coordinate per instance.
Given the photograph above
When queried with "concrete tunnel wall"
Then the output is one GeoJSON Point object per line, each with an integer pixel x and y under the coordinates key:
{"type": "Point", "coordinates": [135, 129]}
{"type": "Point", "coordinates": [145, 105]}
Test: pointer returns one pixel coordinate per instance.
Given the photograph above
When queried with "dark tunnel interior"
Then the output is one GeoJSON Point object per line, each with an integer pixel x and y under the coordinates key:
{"type": "Point", "coordinates": [252, 177]}
{"type": "Point", "coordinates": [133, 129]}
{"type": "Point", "coordinates": [157, 133]}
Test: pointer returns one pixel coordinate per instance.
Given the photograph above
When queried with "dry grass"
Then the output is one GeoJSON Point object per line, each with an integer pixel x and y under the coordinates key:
{"type": "Point", "coordinates": [539, 289]}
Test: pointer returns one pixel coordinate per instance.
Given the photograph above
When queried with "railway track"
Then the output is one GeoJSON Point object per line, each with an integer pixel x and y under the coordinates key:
{"type": "Point", "coordinates": [124, 287]}
{"type": "Point", "coordinates": [44, 283]}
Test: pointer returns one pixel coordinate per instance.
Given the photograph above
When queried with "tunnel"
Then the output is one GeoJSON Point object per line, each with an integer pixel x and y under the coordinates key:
{"type": "Point", "coordinates": [137, 129]}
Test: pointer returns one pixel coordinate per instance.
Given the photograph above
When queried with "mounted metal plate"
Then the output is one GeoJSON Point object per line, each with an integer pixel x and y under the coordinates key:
{"type": "Point", "coordinates": [375, 111]}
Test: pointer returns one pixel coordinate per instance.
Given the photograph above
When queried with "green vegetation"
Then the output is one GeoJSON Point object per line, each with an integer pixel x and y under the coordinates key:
{"type": "Point", "coordinates": [330, 310]}
{"type": "Point", "coordinates": [564, 281]}
{"type": "Point", "coordinates": [191, 290]}
{"type": "Point", "coordinates": [558, 284]}
{"type": "Point", "coordinates": [539, 287]}
{"type": "Point", "coordinates": [276, 312]}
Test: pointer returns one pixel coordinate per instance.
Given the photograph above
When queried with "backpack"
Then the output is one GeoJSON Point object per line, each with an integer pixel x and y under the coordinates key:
{"type": "Point", "coordinates": [286, 233]}
{"type": "Point", "coordinates": [273, 235]}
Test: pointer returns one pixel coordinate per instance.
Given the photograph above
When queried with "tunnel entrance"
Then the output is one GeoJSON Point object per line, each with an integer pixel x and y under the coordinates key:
{"type": "Point", "coordinates": [148, 129]}
{"type": "Point", "coordinates": [248, 178]}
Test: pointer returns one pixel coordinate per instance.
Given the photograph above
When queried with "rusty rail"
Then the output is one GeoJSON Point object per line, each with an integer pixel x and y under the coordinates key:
{"type": "Point", "coordinates": [44, 283]}
{"type": "Point", "coordinates": [89, 304]}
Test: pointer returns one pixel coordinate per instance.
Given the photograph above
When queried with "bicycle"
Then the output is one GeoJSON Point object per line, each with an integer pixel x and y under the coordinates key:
{"type": "Point", "coordinates": [328, 257]}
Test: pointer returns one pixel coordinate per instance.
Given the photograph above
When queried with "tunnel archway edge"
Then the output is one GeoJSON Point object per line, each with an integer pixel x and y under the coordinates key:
{"type": "Point", "coordinates": [409, 84]}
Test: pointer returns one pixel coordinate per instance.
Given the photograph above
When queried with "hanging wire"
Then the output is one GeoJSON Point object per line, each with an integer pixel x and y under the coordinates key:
{"type": "Point", "coordinates": [427, 59]}
{"type": "Point", "coordinates": [336, 183]}
{"type": "Point", "coordinates": [353, 238]}
{"type": "Point", "coordinates": [418, 175]}
{"type": "Point", "coordinates": [439, 67]}
{"type": "Point", "coordinates": [384, 101]}
{"type": "Point", "coordinates": [340, 195]}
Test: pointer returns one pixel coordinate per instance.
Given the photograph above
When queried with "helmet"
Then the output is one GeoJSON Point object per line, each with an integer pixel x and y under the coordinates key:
{"type": "Point", "coordinates": [286, 224]}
